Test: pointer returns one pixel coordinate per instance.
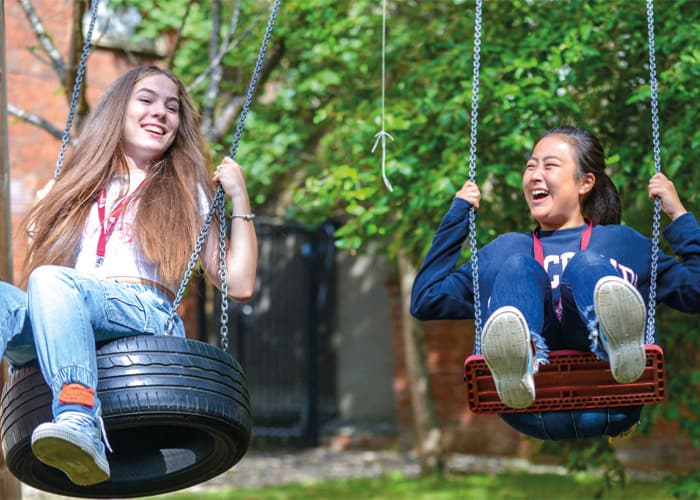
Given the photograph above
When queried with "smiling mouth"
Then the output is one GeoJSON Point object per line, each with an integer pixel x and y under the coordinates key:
{"type": "Point", "coordinates": [538, 194]}
{"type": "Point", "coordinates": [154, 129]}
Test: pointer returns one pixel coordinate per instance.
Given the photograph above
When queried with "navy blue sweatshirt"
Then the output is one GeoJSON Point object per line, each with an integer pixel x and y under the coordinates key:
{"type": "Point", "coordinates": [443, 291]}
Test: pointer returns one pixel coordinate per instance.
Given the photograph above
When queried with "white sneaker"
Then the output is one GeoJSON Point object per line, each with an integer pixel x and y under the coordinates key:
{"type": "Point", "coordinates": [622, 316]}
{"type": "Point", "coordinates": [73, 444]}
{"type": "Point", "coordinates": [505, 343]}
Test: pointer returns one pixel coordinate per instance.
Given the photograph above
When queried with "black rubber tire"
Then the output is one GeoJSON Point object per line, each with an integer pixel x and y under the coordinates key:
{"type": "Point", "coordinates": [177, 412]}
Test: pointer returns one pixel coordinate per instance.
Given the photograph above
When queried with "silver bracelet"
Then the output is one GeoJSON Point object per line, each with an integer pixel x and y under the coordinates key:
{"type": "Point", "coordinates": [243, 216]}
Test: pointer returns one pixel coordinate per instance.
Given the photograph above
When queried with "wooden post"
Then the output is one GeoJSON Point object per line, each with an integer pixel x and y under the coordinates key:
{"type": "Point", "coordinates": [5, 224]}
{"type": "Point", "coordinates": [9, 486]}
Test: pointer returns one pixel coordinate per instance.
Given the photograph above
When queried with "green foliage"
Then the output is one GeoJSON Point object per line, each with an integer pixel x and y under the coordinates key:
{"type": "Point", "coordinates": [687, 487]}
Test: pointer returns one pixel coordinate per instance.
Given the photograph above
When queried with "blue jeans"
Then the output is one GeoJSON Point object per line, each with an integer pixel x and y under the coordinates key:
{"type": "Point", "coordinates": [574, 424]}
{"type": "Point", "coordinates": [523, 283]}
{"type": "Point", "coordinates": [64, 314]}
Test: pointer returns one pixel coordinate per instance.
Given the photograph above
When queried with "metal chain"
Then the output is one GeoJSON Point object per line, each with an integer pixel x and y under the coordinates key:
{"type": "Point", "coordinates": [223, 318]}
{"type": "Point", "coordinates": [218, 203]}
{"type": "Point", "coordinates": [656, 224]}
{"type": "Point", "coordinates": [79, 77]}
{"type": "Point", "coordinates": [472, 176]}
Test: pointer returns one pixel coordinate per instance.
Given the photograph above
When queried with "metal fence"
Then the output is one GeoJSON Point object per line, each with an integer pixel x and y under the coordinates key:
{"type": "Point", "coordinates": [282, 336]}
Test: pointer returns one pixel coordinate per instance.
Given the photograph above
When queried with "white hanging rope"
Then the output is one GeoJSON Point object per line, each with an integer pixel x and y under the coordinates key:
{"type": "Point", "coordinates": [383, 134]}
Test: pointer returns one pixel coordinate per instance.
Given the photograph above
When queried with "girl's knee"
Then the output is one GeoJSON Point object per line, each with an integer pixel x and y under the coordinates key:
{"type": "Point", "coordinates": [49, 283]}
{"type": "Point", "coordinates": [11, 296]}
{"type": "Point", "coordinates": [49, 275]}
{"type": "Point", "coordinates": [520, 263]}
{"type": "Point", "coordinates": [588, 259]}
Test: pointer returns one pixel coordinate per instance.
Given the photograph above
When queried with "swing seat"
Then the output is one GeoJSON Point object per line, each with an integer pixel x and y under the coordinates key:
{"type": "Point", "coordinates": [177, 412]}
{"type": "Point", "coordinates": [572, 380]}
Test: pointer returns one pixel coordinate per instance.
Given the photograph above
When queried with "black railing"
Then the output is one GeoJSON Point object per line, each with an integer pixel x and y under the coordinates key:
{"type": "Point", "coordinates": [282, 336]}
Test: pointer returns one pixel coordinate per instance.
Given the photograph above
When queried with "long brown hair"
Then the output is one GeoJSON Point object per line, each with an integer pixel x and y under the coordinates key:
{"type": "Point", "coordinates": [602, 205]}
{"type": "Point", "coordinates": [168, 216]}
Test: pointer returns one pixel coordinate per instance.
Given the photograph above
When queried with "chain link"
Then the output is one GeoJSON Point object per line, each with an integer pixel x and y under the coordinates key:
{"type": "Point", "coordinates": [79, 77]}
{"type": "Point", "coordinates": [656, 224]}
{"type": "Point", "coordinates": [472, 176]}
{"type": "Point", "coordinates": [218, 203]}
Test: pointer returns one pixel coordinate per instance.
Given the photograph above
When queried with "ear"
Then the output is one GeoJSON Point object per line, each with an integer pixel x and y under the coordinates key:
{"type": "Point", "coordinates": [586, 184]}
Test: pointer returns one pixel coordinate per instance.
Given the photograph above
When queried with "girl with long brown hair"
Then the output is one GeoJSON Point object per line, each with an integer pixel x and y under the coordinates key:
{"type": "Point", "coordinates": [109, 241]}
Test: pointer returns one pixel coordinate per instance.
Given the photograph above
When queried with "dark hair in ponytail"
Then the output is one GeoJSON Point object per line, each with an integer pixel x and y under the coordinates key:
{"type": "Point", "coordinates": [602, 205]}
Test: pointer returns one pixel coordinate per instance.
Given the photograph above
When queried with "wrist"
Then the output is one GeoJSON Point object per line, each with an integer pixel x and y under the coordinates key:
{"type": "Point", "coordinates": [678, 213]}
{"type": "Point", "coordinates": [240, 205]}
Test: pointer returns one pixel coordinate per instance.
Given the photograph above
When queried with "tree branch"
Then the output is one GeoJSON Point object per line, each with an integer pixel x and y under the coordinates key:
{"type": "Point", "coordinates": [178, 36]}
{"type": "Point", "coordinates": [36, 120]}
{"type": "Point", "coordinates": [213, 87]}
{"type": "Point", "coordinates": [217, 60]}
{"type": "Point", "coordinates": [44, 39]}
{"type": "Point", "coordinates": [233, 108]}
{"type": "Point", "coordinates": [217, 72]}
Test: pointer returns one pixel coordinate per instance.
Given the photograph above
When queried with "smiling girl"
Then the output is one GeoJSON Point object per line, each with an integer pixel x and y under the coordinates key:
{"type": "Point", "coordinates": [110, 240]}
{"type": "Point", "coordinates": [575, 282]}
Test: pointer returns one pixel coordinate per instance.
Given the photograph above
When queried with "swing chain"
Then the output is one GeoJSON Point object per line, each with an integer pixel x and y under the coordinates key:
{"type": "Point", "coordinates": [219, 203]}
{"type": "Point", "coordinates": [254, 78]}
{"type": "Point", "coordinates": [472, 176]}
{"type": "Point", "coordinates": [656, 224]}
{"type": "Point", "coordinates": [79, 77]}
{"type": "Point", "coordinates": [222, 276]}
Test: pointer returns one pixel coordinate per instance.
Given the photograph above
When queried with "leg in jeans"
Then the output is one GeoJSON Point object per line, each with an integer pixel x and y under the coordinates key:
{"type": "Point", "coordinates": [579, 319]}
{"type": "Point", "coordinates": [69, 313]}
{"type": "Point", "coordinates": [524, 284]}
{"type": "Point", "coordinates": [612, 310]}
{"type": "Point", "coordinates": [16, 338]}
{"type": "Point", "coordinates": [516, 318]}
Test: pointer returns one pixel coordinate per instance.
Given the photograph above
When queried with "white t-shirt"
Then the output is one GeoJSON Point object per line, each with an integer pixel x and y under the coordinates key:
{"type": "Point", "coordinates": [122, 256]}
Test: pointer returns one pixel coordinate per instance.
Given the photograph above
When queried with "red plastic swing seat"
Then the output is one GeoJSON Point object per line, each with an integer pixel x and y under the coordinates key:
{"type": "Point", "coordinates": [572, 380]}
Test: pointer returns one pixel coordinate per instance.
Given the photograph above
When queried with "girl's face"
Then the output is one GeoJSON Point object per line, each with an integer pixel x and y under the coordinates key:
{"type": "Point", "coordinates": [551, 188]}
{"type": "Point", "coordinates": [152, 119]}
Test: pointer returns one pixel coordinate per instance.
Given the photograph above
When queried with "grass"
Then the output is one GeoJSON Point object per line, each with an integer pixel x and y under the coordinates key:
{"type": "Point", "coordinates": [463, 487]}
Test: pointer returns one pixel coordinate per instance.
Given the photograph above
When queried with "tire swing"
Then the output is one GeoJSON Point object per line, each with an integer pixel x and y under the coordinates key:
{"type": "Point", "coordinates": [177, 411]}
{"type": "Point", "coordinates": [572, 379]}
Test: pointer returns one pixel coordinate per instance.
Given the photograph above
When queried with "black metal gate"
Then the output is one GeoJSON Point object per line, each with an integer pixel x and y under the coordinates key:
{"type": "Point", "coordinates": [282, 336]}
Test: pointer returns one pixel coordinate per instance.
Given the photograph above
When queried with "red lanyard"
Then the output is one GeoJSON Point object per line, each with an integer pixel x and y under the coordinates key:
{"type": "Point", "coordinates": [538, 250]}
{"type": "Point", "coordinates": [107, 225]}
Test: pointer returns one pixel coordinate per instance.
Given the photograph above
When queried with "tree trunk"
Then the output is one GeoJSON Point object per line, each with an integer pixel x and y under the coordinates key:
{"type": "Point", "coordinates": [9, 486]}
{"type": "Point", "coordinates": [427, 427]}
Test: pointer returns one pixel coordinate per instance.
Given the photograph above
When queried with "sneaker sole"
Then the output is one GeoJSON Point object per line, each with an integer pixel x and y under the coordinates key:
{"type": "Point", "coordinates": [506, 347]}
{"type": "Point", "coordinates": [54, 448]}
{"type": "Point", "coordinates": [622, 315]}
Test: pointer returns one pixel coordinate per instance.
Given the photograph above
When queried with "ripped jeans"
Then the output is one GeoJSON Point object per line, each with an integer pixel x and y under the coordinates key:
{"type": "Point", "coordinates": [62, 316]}
{"type": "Point", "coordinates": [523, 283]}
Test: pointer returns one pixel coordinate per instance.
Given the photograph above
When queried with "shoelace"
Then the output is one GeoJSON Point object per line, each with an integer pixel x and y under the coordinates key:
{"type": "Point", "coordinates": [79, 421]}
